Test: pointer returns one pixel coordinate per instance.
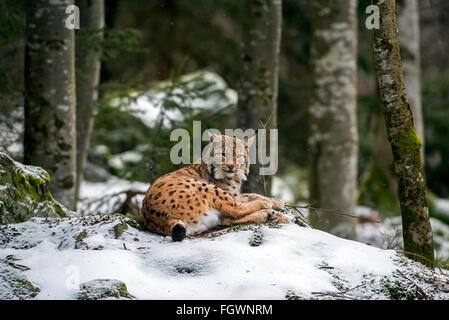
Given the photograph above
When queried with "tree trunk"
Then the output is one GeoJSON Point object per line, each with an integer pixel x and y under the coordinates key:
{"type": "Point", "coordinates": [50, 102]}
{"type": "Point", "coordinates": [333, 139]}
{"type": "Point", "coordinates": [408, 20]}
{"type": "Point", "coordinates": [258, 89]}
{"type": "Point", "coordinates": [88, 66]}
{"type": "Point", "coordinates": [405, 143]}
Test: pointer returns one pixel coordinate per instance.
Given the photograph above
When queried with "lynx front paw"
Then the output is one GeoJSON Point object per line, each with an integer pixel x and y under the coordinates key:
{"type": "Point", "coordinates": [264, 204]}
{"type": "Point", "coordinates": [282, 218]}
{"type": "Point", "coordinates": [278, 217]}
{"type": "Point", "coordinates": [277, 203]}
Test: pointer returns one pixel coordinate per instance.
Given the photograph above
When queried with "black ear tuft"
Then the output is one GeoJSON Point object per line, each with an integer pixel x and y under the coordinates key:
{"type": "Point", "coordinates": [178, 233]}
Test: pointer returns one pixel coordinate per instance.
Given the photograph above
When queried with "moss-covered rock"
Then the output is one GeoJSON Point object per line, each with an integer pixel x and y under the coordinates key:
{"type": "Point", "coordinates": [25, 193]}
{"type": "Point", "coordinates": [119, 229]}
{"type": "Point", "coordinates": [14, 285]}
{"type": "Point", "coordinates": [102, 289]}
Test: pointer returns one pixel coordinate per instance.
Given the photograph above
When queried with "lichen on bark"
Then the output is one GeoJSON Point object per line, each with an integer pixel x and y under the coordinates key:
{"type": "Point", "coordinates": [405, 143]}
{"type": "Point", "coordinates": [50, 138]}
{"type": "Point", "coordinates": [258, 85]}
{"type": "Point", "coordinates": [333, 138]}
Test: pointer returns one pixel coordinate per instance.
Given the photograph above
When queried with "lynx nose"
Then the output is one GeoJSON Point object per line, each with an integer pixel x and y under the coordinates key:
{"type": "Point", "coordinates": [230, 168]}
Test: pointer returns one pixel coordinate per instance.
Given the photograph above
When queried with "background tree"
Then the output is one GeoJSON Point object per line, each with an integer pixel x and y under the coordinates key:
{"type": "Point", "coordinates": [405, 143]}
{"type": "Point", "coordinates": [333, 139]}
{"type": "Point", "coordinates": [88, 67]}
{"type": "Point", "coordinates": [258, 89]}
{"type": "Point", "coordinates": [50, 139]}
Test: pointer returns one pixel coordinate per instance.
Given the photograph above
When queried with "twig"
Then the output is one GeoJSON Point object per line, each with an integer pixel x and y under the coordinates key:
{"type": "Point", "coordinates": [301, 217]}
{"type": "Point", "coordinates": [16, 266]}
{"type": "Point", "coordinates": [328, 210]}
{"type": "Point", "coordinates": [342, 293]}
{"type": "Point", "coordinates": [420, 256]}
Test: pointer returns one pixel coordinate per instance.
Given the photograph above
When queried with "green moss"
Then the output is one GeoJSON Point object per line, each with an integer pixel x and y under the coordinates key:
{"type": "Point", "coordinates": [133, 222]}
{"type": "Point", "coordinates": [256, 238]}
{"type": "Point", "coordinates": [409, 142]}
{"type": "Point", "coordinates": [397, 290]}
{"type": "Point", "coordinates": [119, 229]}
{"type": "Point", "coordinates": [81, 236]}
{"type": "Point", "coordinates": [103, 289]}
{"type": "Point", "coordinates": [26, 193]}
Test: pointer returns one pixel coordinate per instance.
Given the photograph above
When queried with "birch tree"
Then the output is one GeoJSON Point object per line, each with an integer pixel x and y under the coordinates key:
{"type": "Point", "coordinates": [405, 143]}
{"type": "Point", "coordinates": [333, 139]}
{"type": "Point", "coordinates": [258, 89]}
{"type": "Point", "coordinates": [88, 66]}
{"type": "Point", "coordinates": [50, 139]}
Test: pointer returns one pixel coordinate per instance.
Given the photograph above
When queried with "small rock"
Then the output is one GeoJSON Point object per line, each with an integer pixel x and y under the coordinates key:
{"type": "Point", "coordinates": [103, 289]}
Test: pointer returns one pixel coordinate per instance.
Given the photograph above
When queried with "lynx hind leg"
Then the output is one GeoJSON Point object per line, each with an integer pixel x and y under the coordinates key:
{"type": "Point", "coordinates": [260, 216]}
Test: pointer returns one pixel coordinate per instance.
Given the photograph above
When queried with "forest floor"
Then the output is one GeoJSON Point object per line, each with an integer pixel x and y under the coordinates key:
{"type": "Point", "coordinates": [52, 258]}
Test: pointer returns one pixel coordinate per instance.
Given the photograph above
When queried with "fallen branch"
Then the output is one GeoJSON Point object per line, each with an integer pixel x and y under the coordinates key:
{"type": "Point", "coordinates": [328, 210]}
{"type": "Point", "coordinates": [16, 266]}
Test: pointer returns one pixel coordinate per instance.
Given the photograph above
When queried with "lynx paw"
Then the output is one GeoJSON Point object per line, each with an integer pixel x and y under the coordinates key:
{"type": "Point", "coordinates": [278, 217]}
{"type": "Point", "coordinates": [277, 203]}
{"type": "Point", "coordinates": [264, 204]}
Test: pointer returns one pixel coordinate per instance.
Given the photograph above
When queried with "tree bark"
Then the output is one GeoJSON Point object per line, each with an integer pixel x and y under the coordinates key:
{"type": "Point", "coordinates": [405, 143]}
{"type": "Point", "coordinates": [88, 66]}
{"type": "Point", "coordinates": [333, 139]}
{"type": "Point", "coordinates": [408, 20]}
{"type": "Point", "coordinates": [50, 101]}
{"type": "Point", "coordinates": [258, 89]}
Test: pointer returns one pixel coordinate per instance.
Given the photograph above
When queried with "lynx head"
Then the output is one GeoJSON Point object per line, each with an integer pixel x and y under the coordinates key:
{"type": "Point", "coordinates": [228, 156]}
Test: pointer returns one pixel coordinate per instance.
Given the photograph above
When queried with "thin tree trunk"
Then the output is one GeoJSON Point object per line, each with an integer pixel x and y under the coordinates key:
{"type": "Point", "coordinates": [258, 90]}
{"type": "Point", "coordinates": [408, 20]}
{"type": "Point", "coordinates": [88, 66]}
{"type": "Point", "coordinates": [405, 143]}
{"type": "Point", "coordinates": [50, 138]}
{"type": "Point", "coordinates": [333, 139]}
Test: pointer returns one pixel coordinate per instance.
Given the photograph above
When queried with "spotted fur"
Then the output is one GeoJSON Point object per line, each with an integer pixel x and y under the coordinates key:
{"type": "Point", "coordinates": [207, 194]}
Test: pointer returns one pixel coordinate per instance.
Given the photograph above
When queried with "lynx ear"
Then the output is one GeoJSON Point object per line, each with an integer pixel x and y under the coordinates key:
{"type": "Point", "coordinates": [249, 141]}
{"type": "Point", "coordinates": [212, 136]}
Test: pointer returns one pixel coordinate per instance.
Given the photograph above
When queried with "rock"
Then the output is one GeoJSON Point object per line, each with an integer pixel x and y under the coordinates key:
{"type": "Point", "coordinates": [24, 193]}
{"type": "Point", "coordinates": [103, 289]}
{"type": "Point", "coordinates": [14, 285]}
{"type": "Point", "coordinates": [119, 229]}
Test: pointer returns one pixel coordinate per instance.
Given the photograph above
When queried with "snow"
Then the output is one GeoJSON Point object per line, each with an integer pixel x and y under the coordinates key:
{"type": "Point", "coordinates": [281, 190]}
{"type": "Point", "coordinates": [149, 105]}
{"type": "Point", "coordinates": [223, 267]}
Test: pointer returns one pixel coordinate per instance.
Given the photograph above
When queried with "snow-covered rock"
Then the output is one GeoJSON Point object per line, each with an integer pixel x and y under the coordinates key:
{"type": "Point", "coordinates": [24, 193]}
{"type": "Point", "coordinates": [103, 289]}
{"type": "Point", "coordinates": [13, 284]}
{"type": "Point", "coordinates": [243, 262]}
